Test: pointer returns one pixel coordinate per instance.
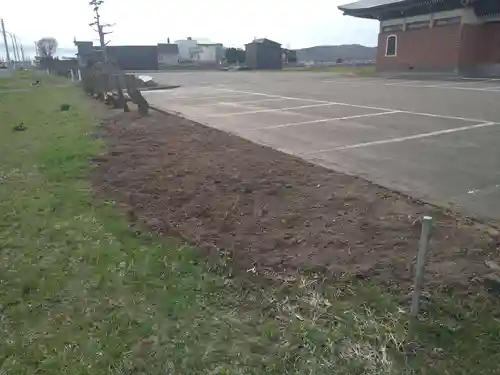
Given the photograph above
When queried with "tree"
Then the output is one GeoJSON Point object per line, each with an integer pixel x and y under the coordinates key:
{"type": "Point", "coordinates": [100, 28]}
{"type": "Point", "coordinates": [339, 61]}
{"type": "Point", "coordinates": [235, 55]}
{"type": "Point", "coordinates": [46, 47]}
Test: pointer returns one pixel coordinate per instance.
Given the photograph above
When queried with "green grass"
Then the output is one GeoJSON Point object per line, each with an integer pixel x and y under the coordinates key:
{"type": "Point", "coordinates": [82, 293]}
{"type": "Point", "coordinates": [21, 79]}
{"type": "Point", "coordinates": [365, 70]}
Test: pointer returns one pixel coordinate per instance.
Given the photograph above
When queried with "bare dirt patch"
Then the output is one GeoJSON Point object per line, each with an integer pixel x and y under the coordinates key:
{"type": "Point", "coordinates": [276, 212]}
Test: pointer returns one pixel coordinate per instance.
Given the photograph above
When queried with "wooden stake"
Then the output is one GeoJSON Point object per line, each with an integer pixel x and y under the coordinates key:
{"type": "Point", "coordinates": [420, 269]}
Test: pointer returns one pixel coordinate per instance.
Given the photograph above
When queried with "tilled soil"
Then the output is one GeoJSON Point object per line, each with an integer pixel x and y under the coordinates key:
{"type": "Point", "coordinates": [276, 212]}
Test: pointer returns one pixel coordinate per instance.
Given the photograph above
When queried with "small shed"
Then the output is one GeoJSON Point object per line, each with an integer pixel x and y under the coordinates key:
{"type": "Point", "coordinates": [264, 54]}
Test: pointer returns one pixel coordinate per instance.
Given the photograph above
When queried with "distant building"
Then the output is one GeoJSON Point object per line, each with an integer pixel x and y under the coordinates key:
{"type": "Point", "coordinates": [289, 56]}
{"type": "Point", "coordinates": [188, 49]}
{"type": "Point", "coordinates": [85, 52]}
{"type": "Point", "coordinates": [200, 51]}
{"type": "Point", "coordinates": [126, 57]}
{"type": "Point", "coordinates": [460, 36]}
{"type": "Point", "coordinates": [264, 54]}
{"type": "Point", "coordinates": [168, 55]}
{"type": "Point", "coordinates": [210, 53]}
{"type": "Point", "coordinates": [154, 57]}
{"type": "Point", "coordinates": [134, 57]}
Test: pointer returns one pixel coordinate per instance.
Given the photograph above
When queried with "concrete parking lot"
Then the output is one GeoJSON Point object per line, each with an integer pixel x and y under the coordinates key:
{"type": "Point", "coordinates": [433, 139]}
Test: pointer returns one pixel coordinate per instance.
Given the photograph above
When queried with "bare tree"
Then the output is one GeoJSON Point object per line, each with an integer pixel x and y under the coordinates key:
{"type": "Point", "coordinates": [100, 28]}
{"type": "Point", "coordinates": [114, 77]}
{"type": "Point", "coordinates": [46, 47]}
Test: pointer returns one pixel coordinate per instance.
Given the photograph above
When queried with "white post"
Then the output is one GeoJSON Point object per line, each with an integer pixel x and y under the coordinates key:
{"type": "Point", "coordinates": [420, 270]}
{"type": "Point", "coordinates": [79, 75]}
{"type": "Point", "coordinates": [72, 75]}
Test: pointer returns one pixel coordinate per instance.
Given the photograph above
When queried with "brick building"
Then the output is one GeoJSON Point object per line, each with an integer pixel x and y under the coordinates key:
{"type": "Point", "coordinates": [460, 36]}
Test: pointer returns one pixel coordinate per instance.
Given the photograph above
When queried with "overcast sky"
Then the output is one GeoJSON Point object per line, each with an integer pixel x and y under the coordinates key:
{"type": "Point", "coordinates": [294, 23]}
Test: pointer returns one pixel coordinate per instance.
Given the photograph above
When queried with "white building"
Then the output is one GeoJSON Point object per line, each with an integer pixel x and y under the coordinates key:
{"type": "Point", "coordinates": [201, 50]}
{"type": "Point", "coordinates": [211, 52]}
{"type": "Point", "coordinates": [188, 49]}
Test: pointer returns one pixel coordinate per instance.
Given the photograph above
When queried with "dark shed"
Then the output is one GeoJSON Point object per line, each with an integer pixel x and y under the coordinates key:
{"type": "Point", "coordinates": [264, 54]}
{"type": "Point", "coordinates": [134, 57]}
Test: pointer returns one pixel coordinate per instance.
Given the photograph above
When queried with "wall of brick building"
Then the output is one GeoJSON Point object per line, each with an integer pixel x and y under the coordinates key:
{"type": "Point", "coordinates": [480, 49]}
{"type": "Point", "coordinates": [436, 48]}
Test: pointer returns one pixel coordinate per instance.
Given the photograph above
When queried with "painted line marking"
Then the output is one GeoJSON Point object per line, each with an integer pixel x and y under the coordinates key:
{"type": "Point", "coordinates": [354, 81]}
{"type": "Point", "coordinates": [399, 83]}
{"type": "Point", "coordinates": [272, 110]}
{"type": "Point", "coordinates": [484, 190]}
{"type": "Point", "coordinates": [481, 79]}
{"type": "Point", "coordinates": [408, 138]}
{"type": "Point", "coordinates": [488, 89]}
{"type": "Point", "coordinates": [359, 106]}
{"type": "Point", "coordinates": [463, 83]}
{"type": "Point", "coordinates": [243, 102]}
{"type": "Point", "coordinates": [325, 120]}
{"type": "Point", "coordinates": [182, 91]}
{"type": "Point", "coordinates": [449, 85]}
{"type": "Point", "coordinates": [206, 97]}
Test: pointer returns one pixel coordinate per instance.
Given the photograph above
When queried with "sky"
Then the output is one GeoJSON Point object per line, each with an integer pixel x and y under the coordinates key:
{"type": "Point", "coordinates": [293, 23]}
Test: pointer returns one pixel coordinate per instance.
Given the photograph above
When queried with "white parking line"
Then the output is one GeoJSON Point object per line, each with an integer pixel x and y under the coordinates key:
{"type": "Point", "coordinates": [399, 83]}
{"type": "Point", "coordinates": [325, 120]}
{"type": "Point", "coordinates": [410, 137]}
{"type": "Point", "coordinates": [484, 190]}
{"type": "Point", "coordinates": [244, 102]}
{"type": "Point", "coordinates": [415, 84]}
{"type": "Point", "coordinates": [357, 106]}
{"type": "Point", "coordinates": [206, 97]}
{"type": "Point", "coordinates": [354, 81]}
{"type": "Point", "coordinates": [481, 79]}
{"type": "Point", "coordinates": [271, 110]}
{"type": "Point", "coordinates": [484, 89]}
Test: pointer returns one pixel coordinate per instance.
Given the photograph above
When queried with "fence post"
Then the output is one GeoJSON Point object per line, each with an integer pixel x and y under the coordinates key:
{"type": "Point", "coordinates": [420, 269]}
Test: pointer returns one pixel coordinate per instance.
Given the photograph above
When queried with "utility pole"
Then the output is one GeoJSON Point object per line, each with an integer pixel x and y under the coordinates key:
{"type": "Point", "coordinates": [18, 49]}
{"type": "Point", "coordinates": [5, 41]}
{"type": "Point", "coordinates": [14, 47]}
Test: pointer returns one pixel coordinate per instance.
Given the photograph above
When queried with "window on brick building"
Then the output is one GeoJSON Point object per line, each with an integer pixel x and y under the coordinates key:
{"type": "Point", "coordinates": [391, 45]}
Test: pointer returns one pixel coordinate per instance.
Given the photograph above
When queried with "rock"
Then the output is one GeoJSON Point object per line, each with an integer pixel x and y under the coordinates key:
{"type": "Point", "coordinates": [493, 233]}
{"type": "Point", "coordinates": [64, 107]}
{"type": "Point", "coordinates": [19, 128]}
{"type": "Point", "coordinates": [492, 265]}
{"type": "Point", "coordinates": [153, 223]}
{"type": "Point", "coordinates": [492, 284]}
{"type": "Point", "coordinates": [145, 346]}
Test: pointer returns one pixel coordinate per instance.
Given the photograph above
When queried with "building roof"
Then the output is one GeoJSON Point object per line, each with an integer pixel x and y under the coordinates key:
{"type": "Point", "coordinates": [387, 9]}
{"type": "Point", "coordinates": [366, 4]}
{"type": "Point", "coordinates": [265, 41]}
{"type": "Point", "coordinates": [168, 48]}
{"type": "Point", "coordinates": [210, 44]}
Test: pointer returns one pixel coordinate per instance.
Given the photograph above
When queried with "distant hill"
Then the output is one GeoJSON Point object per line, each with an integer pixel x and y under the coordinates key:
{"type": "Point", "coordinates": [345, 52]}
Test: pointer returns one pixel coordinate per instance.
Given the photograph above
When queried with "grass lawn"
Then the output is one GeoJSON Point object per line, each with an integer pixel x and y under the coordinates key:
{"type": "Point", "coordinates": [83, 293]}
{"type": "Point", "coordinates": [21, 79]}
